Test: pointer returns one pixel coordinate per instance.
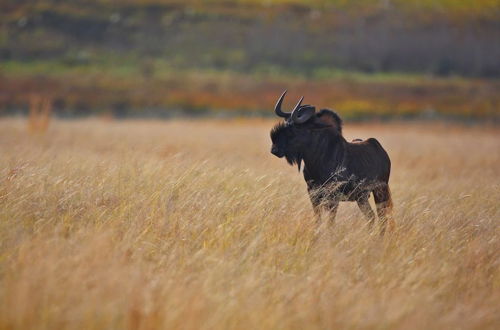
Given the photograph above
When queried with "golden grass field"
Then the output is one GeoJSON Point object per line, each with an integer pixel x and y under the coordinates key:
{"type": "Point", "coordinates": [195, 225]}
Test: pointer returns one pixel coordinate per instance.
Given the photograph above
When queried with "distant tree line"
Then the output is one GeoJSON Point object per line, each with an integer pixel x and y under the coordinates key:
{"type": "Point", "coordinates": [247, 38]}
{"type": "Point", "coordinates": [255, 38]}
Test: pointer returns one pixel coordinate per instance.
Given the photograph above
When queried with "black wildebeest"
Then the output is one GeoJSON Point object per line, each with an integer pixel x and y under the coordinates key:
{"type": "Point", "coordinates": [335, 170]}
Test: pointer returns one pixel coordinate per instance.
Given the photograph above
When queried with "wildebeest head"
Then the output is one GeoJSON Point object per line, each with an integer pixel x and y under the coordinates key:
{"type": "Point", "coordinates": [303, 129]}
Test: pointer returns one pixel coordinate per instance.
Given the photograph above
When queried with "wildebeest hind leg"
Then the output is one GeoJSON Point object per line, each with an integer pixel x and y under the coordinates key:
{"type": "Point", "coordinates": [365, 207]}
{"type": "Point", "coordinates": [383, 201]}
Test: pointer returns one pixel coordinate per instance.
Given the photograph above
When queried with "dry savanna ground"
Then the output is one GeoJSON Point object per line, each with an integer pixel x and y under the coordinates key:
{"type": "Point", "coordinates": [194, 225]}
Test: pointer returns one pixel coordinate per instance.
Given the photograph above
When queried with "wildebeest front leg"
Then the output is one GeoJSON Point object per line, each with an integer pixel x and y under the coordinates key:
{"type": "Point", "coordinates": [318, 208]}
{"type": "Point", "coordinates": [331, 208]}
{"type": "Point", "coordinates": [322, 203]}
{"type": "Point", "coordinates": [315, 197]}
{"type": "Point", "coordinates": [365, 207]}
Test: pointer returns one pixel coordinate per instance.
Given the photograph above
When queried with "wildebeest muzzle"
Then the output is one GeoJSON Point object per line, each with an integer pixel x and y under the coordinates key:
{"type": "Point", "coordinates": [277, 152]}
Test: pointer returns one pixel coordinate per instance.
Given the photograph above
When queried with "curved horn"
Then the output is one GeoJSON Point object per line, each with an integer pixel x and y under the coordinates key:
{"type": "Point", "coordinates": [277, 108]}
{"type": "Point", "coordinates": [303, 114]}
{"type": "Point", "coordinates": [297, 106]}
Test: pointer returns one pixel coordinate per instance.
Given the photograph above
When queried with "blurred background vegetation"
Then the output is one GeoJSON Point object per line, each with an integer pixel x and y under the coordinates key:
{"type": "Point", "coordinates": [139, 58]}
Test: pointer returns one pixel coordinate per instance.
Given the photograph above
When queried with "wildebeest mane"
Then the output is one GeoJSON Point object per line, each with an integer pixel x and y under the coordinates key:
{"type": "Point", "coordinates": [332, 117]}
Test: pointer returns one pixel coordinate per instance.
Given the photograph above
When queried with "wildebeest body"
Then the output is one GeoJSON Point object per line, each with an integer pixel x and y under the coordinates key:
{"type": "Point", "coordinates": [335, 170]}
{"type": "Point", "coordinates": [353, 168]}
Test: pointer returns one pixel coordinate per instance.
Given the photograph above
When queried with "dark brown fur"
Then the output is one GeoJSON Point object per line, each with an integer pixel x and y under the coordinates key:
{"type": "Point", "coordinates": [336, 170]}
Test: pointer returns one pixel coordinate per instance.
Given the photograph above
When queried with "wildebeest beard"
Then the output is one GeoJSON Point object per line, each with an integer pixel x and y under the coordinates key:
{"type": "Point", "coordinates": [294, 158]}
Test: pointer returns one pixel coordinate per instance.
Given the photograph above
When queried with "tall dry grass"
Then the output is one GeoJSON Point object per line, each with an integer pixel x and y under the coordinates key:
{"type": "Point", "coordinates": [40, 111]}
{"type": "Point", "coordinates": [194, 225]}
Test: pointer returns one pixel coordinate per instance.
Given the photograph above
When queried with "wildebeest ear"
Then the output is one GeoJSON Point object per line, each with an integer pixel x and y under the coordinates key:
{"type": "Point", "coordinates": [328, 119]}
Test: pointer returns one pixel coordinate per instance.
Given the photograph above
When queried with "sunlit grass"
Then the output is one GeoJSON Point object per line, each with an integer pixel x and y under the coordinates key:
{"type": "Point", "coordinates": [193, 224]}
